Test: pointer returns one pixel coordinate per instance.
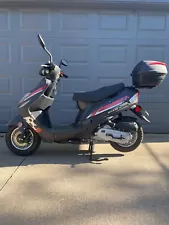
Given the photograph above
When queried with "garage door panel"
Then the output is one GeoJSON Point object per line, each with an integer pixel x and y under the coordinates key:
{"type": "Point", "coordinates": [74, 23]}
{"type": "Point", "coordinates": [116, 24]}
{"type": "Point", "coordinates": [63, 97]}
{"type": "Point", "coordinates": [54, 23]}
{"type": "Point", "coordinates": [152, 25]}
{"type": "Point", "coordinates": [80, 56]}
{"type": "Point", "coordinates": [8, 86]}
{"type": "Point", "coordinates": [150, 52]}
{"type": "Point", "coordinates": [112, 53]}
{"type": "Point", "coordinates": [106, 81]}
{"type": "Point", "coordinates": [75, 85]}
{"type": "Point", "coordinates": [6, 110]}
{"type": "Point", "coordinates": [112, 71]}
{"type": "Point", "coordinates": [28, 83]}
{"type": "Point", "coordinates": [32, 54]}
{"type": "Point", "coordinates": [77, 70]}
{"type": "Point", "coordinates": [5, 86]}
{"type": "Point", "coordinates": [156, 128]}
{"type": "Point", "coordinates": [113, 59]}
{"type": "Point", "coordinates": [79, 24]}
{"type": "Point", "coordinates": [70, 105]}
{"type": "Point", "coordinates": [157, 111]}
{"type": "Point", "coordinates": [11, 23]}
{"type": "Point", "coordinates": [8, 52]}
{"type": "Point", "coordinates": [26, 23]}
{"type": "Point", "coordinates": [73, 41]}
{"type": "Point", "coordinates": [154, 96]}
{"type": "Point", "coordinates": [113, 21]}
{"type": "Point", "coordinates": [5, 116]}
{"type": "Point", "coordinates": [29, 70]}
{"type": "Point", "coordinates": [153, 51]}
{"type": "Point", "coordinates": [118, 50]}
{"type": "Point", "coordinates": [4, 20]}
{"type": "Point", "coordinates": [36, 21]}
{"type": "Point", "coordinates": [5, 52]}
{"type": "Point", "coordinates": [163, 89]}
{"type": "Point", "coordinates": [101, 46]}
{"type": "Point", "coordinates": [93, 25]}
{"type": "Point", "coordinates": [74, 20]}
{"type": "Point", "coordinates": [76, 53]}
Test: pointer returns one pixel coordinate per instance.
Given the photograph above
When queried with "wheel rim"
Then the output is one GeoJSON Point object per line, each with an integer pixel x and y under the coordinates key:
{"type": "Point", "coordinates": [131, 142]}
{"type": "Point", "coordinates": [20, 143]}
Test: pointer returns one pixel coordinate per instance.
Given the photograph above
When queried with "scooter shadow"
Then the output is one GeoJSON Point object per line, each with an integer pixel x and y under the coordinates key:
{"type": "Point", "coordinates": [68, 156]}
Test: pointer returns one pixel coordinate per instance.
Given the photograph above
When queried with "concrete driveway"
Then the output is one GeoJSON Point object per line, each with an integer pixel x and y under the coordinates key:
{"type": "Point", "coordinates": [61, 187]}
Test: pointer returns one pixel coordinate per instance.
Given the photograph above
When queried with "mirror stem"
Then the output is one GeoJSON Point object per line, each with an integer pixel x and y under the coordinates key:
{"type": "Point", "coordinates": [51, 60]}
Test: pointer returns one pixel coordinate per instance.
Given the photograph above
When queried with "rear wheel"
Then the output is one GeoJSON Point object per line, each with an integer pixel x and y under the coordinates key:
{"type": "Point", "coordinates": [22, 143]}
{"type": "Point", "coordinates": [134, 143]}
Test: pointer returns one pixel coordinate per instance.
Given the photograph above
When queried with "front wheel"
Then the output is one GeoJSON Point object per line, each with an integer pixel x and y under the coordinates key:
{"type": "Point", "coordinates": [20, 143]}
{"type": "Point", "coordinates": [134, 143]}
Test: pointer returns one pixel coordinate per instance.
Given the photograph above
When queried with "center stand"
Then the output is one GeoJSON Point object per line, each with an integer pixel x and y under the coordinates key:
{"type": "Point", "coordinates": [91, 150]}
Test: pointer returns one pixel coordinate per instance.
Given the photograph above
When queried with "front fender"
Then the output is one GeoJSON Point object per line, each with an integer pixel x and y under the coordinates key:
{"type": "Point", "coordinates": [16, 120]}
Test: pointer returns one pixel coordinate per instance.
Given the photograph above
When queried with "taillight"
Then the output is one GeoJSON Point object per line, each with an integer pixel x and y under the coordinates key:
{"type": "Point", "coordinates": [137, 109]}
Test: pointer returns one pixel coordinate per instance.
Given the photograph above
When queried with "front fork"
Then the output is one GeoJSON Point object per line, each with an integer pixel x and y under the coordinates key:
{"type": "Point", "coordinates": [19, 122]}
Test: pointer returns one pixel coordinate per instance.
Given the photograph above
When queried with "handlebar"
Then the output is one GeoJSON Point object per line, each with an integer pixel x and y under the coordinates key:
{"type": "Point", "coordinates": [66, 76]}
{"type": "Point", "coordinates": [51, 66]}
{"type": "Point", "coordinates": [62, 74]}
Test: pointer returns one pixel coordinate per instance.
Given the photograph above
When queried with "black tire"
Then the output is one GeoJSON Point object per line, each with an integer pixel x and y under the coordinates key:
{"type": "Point", "coordinates": [140, 135]}
{"type": "Point", "coordinates": [29, 151]}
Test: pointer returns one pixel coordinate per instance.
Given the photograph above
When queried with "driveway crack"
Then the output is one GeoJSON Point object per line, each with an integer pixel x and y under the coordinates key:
{"type": "Point", "coordinates": [12, 174]}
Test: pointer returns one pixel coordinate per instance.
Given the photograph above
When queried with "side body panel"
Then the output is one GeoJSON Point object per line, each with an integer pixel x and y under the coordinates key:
{"type": "Point", "coordinates": [89, 119]}
{"type": "Point", "coordinates": [111, 106]}
{"type": "Point", "coordinates": [35, 100]}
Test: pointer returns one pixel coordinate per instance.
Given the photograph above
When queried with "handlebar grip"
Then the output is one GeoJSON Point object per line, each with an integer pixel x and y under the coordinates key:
{"type": "Point", "coordinates": [66, 76]}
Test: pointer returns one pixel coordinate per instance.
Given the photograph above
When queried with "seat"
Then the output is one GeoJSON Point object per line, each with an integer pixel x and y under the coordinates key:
{"type": "Point", "coordinates": [99, 94]}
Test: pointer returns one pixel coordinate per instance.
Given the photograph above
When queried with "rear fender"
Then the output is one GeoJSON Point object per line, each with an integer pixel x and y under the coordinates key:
{"type": "Point", "coordinates": [126, 124]}
{"type": "Point", "coordinates": [140, 112]}
{"type": "Point", "coordinates": [125, 119]}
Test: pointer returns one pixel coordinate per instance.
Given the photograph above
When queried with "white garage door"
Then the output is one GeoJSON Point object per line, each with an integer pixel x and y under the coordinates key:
{"type": "Point", "coordinates": [102, 47]}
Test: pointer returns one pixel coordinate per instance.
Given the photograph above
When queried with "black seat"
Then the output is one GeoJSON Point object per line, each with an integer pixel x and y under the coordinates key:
{"type": "Point", "coordinates": [99, 94]}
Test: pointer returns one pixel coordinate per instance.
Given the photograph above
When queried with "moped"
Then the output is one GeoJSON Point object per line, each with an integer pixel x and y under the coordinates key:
{"type": "Point", "coordinates": [100, 116]}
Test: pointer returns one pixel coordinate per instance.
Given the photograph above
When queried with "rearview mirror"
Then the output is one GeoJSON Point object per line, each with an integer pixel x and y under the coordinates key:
{"type": "Point", "coordinates": [63, 62]}
{"type": "Point", "coordinates": [41, 41]}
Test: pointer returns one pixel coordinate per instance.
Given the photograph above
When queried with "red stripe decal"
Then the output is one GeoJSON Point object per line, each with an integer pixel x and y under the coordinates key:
{"type": "Point", "coordinates": [157, 63]}
{"type": "Point", "coordinates": [37, 90]}
{"type": "Point", "coordinates": [109, 105]}
{"type": "Point", "coordinates": [94, 113]}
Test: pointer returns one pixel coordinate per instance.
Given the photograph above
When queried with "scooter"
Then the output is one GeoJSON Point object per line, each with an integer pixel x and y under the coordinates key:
{"type": "Point", "coordinates": [100, 116]}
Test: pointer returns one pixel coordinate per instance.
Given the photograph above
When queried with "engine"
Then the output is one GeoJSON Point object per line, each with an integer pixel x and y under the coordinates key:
{"type": "Point", "coordinates": [107, 134]}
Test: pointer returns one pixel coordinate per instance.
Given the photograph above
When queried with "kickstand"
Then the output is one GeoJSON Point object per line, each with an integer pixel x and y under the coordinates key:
{"type": "Point", "coordinates": [91, 150]}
